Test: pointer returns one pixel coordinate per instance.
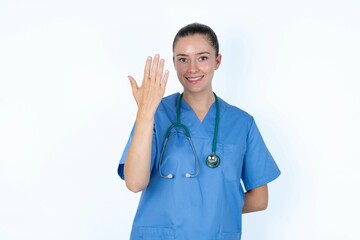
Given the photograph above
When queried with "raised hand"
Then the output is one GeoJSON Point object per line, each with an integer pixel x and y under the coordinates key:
{"type": "Point", "coordinates": [152, 89]}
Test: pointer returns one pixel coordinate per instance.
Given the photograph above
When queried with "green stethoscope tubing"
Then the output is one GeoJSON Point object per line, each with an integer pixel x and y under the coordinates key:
{"type": "Point", "coordinates": [212, 161]}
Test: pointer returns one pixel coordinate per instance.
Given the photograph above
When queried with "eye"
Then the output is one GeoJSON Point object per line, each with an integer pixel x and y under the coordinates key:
{"type": "Point", "coordinates": [182, 60]}
{"type": "Point", "coordinates": [203, 58]}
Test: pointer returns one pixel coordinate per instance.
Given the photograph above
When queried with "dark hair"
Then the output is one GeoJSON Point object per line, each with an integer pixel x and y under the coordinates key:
{"type": "Point", "coordinates": [198, 28]}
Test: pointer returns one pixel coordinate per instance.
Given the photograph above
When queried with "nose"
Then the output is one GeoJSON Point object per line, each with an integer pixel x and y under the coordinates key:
{"type": "Point", "coordinates": [193, 68]}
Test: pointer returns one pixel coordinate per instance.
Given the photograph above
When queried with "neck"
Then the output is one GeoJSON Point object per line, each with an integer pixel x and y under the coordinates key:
{"type": "Point", "coordinates": [200, 103]}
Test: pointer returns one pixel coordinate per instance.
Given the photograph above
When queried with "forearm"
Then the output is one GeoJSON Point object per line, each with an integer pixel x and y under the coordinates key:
{"type": "Point", "coordinates": [137, 165]}
{"type": "Point", "coordinates": [256, 199]}
{"type": "Point", "coordinates": [148, 98]}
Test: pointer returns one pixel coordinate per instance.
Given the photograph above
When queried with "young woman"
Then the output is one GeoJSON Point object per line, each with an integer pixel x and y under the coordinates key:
{"type": "Point", "coordinates": [191, 153]}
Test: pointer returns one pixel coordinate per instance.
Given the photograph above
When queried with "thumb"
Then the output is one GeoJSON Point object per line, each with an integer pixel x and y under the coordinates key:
{"type": "Point", "coordinates": [134, 86]}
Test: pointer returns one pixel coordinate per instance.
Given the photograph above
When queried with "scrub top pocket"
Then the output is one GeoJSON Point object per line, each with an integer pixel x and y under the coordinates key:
{"type": "Point", "coordinates": [155, 233]}
{"type": "Point", "coordinates": [232, 160]}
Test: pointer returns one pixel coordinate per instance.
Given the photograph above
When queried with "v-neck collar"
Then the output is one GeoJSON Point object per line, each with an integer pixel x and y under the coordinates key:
{"type": "Point", "coordinates": [189, 118]}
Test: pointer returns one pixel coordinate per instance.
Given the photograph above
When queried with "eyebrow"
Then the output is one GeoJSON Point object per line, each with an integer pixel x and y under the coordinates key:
{"type": "Point", "coordinates": [184, 55]}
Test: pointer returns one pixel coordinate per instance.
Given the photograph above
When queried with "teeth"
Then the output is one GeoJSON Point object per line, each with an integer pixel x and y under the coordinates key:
{"type": "Point", "coordinates": [193, 78]}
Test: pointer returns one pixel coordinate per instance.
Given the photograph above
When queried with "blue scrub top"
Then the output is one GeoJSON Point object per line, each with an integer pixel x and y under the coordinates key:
{"type": "Point", "coordinates": [208, 206]}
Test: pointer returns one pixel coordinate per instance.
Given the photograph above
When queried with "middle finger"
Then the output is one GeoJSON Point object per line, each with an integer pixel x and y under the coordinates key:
{"type": "Point", "coordinates": [154, 67]}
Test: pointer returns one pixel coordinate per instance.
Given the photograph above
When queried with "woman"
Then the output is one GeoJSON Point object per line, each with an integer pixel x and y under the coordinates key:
{"type": "Point", "coordinates": [191, 173]}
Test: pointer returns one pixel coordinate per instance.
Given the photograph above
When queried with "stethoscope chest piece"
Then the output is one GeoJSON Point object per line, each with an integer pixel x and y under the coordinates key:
{"type": "Point", "coordinates": [213, 160]}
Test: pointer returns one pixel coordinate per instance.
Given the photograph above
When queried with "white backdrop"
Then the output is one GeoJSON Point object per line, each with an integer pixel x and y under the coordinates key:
{"type": "Point", "coordinates": [66, 109]}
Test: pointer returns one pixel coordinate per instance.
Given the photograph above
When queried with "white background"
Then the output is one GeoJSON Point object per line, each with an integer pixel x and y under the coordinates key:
{"type": "Point", "coordinates": [66, 109]}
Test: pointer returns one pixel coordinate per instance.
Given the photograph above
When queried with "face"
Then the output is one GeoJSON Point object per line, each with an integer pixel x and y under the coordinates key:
{"type": "Point", "coordinates": [195, 63]}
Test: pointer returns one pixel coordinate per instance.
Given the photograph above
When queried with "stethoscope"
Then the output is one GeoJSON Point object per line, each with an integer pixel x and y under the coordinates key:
{"type": "Point", "coordinates": [212, 161]}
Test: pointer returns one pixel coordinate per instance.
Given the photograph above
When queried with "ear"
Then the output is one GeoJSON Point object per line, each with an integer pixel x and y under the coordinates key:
{"type": "Point", "coordinates": [174, 62]}
{"type": "Point", "coordinates": [218, 61]}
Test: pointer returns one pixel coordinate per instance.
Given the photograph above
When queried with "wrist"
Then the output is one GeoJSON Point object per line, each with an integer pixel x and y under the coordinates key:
{"type": "Point", "coordinates": [145, 115]}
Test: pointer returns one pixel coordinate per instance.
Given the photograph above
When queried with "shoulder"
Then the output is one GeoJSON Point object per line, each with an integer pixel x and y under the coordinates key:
{"type": "Point", "coordinates": [232, 112]}
{"type": "Point", "coordinates": [168, 102]}
{"type": "Point", "coordinates": [167, 107]}
{"type": "Point", "coordinates": [235, 124]}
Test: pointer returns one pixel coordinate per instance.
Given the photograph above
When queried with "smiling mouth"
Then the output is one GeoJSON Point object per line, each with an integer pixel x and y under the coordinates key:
{"type": "Point", "coordinates": [194, 79]}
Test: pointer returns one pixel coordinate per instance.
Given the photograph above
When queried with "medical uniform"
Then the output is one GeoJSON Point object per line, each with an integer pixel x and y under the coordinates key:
{"type": "Point", "coordinates": [208, 206]}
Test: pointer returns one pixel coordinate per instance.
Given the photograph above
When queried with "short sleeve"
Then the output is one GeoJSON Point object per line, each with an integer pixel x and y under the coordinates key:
{"type": "Point", "coordinates": [126, 150]}
{"type": "Point", "coordinates": [259, 166]}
